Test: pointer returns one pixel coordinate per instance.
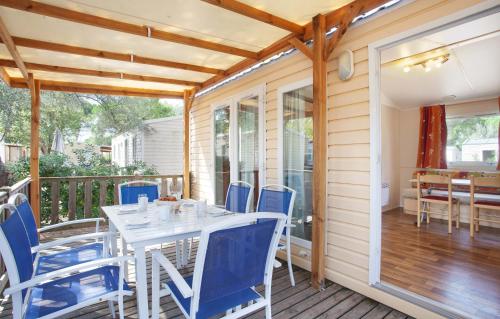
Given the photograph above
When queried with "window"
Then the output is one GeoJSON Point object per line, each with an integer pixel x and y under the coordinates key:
{"type": "Point", "coordinates": [239, 143]}
{"type": "Point", "coordinates": [221, 152]}
{"type": "Point", "coordinates": [296, 125]}
{"type": "Point", "coordinates": [472, 141]}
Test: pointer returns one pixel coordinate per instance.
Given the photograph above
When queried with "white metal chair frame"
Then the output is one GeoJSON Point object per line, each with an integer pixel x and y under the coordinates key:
{"type": "Point", "coordinates": [288, 225]}
{"type": "Point", "coordinates": [250, 194]}
{"type": "Point", "coordinates": [20, 197]}
{"type": "Point", "coordinates": [16, 287]}
{"type": "Point", "coordinates": [159, 259]}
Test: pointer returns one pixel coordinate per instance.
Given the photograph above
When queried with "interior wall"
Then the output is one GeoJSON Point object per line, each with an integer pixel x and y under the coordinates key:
{"type": "Point", "coordinates": [390, 117]}
{"type": "Point", "coordinates": [409, 122]}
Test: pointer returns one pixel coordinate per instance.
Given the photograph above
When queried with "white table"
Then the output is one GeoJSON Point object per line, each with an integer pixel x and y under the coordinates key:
{"type": "Point", "coordinates": [179, 227]}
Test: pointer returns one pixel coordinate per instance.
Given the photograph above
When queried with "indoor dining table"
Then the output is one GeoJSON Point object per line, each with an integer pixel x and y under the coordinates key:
{"type": "Point", "coordinates": [145, 229]}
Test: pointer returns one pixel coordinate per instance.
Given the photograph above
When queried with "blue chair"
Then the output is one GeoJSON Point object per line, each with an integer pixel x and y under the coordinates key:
{"type": "Point", "coordinates": [280, 199]}
{"type": "Point", "coordinates": [129, 192]}
{"type": "Point", "coordinates": [57, 292]}
{"type": "Point", "coordinates": [239, 197]}
{"type": "Point", "coordinates": [68, 257]}
{"type": "Point", "coordinates": [234, 256]}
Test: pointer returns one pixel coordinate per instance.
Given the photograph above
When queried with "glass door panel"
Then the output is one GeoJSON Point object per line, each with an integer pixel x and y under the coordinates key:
{"type": "Point", "coordinates": [298, 156]}
{"type": "Point", "coordinates": [221, 152]}
{"type": "Point", "coordinates": [248, 144]}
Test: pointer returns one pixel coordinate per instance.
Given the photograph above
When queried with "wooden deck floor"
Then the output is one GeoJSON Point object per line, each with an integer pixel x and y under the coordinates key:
{"type": "Point", "coordinates": [300, 301]}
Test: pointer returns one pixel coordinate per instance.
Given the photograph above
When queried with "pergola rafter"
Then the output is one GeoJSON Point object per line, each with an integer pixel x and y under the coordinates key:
{"type": "Point", "coordinates": [115, 25]}
{"type": "Point", "coordinates": [256, 14]}
{"type": "Point", "coordinates": [98, 89]}
{"type": "Point", "coordinates": [97, 73]}
{"type": "Point", "coordinates": [116, 56]}
{"type": "Point", "coordinates": [11, 47]}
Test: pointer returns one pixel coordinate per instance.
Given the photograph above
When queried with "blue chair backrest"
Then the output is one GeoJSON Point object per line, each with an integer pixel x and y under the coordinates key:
{"type": "Point", "coordinates": [130, 193]}
{"type": "Point", "coordinates": [237, 198]}
{"type": "Point", "coordinates": [274, 201]}
{"type": "Point", "coordinates": [235, 259]}
{"type": "Point", "coordinates": [18, 242]}
{"type": "Point", "coordinates": [26, 214]}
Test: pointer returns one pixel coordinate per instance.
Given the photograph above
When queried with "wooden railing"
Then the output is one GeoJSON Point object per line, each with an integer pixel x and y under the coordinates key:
{"type": "Point", "coordinates": [5, 192]}
{"type": "Point", "coordinates": [73, 197]}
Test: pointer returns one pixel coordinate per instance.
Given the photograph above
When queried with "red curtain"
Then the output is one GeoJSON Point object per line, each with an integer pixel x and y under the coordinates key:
{"type": "Point", "coordinates": [432, 137]}
{"type": "Point", "coordinates": [498, 165]}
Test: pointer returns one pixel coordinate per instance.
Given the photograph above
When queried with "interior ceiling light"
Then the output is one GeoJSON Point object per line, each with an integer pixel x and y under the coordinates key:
{"type": "Point", "coordinates": [427, 64]}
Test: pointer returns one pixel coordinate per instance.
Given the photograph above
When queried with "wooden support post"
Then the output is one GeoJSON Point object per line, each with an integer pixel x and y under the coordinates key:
{"type": "Point", "coordinates": [188, 102]}
{"type": "Point", "coordinates": [72, 200]}
{"type": "Point", "coordinates": [54, 198]}
{"type": "Point", "coordinates": [319, 152]}
{"type": "Point", "coordinates": [35, 149]}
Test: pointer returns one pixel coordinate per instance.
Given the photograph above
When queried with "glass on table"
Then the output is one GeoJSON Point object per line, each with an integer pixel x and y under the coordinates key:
{"type": "Point", "coordinates": [142, 200]}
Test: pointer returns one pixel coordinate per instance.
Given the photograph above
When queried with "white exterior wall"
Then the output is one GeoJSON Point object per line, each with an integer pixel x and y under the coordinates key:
{"type": "Point", "coordinates": [348, 215]}
{"type": "Point", "coordinates": [163, 145]}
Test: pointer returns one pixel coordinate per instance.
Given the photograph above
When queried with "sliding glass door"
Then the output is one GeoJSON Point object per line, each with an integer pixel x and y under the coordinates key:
{"type": "Point", "coordinates": [248, 143]}
{"type": "Point", "coordinates": [297, 154]}
{"type": "Point", "coordinates": [238, 144]}
{"type": "Point", "coordinates": [222, 161]}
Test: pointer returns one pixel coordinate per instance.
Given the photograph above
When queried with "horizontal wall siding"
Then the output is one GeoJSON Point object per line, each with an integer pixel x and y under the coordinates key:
{"type": "Point", "coordinates": [348, 201]}
{"type": "Point", "coordinates": [162, 145]}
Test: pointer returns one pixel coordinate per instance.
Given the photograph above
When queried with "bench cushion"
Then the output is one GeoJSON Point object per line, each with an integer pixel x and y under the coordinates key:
{"type": "Point", "coordinates": [487, 202]}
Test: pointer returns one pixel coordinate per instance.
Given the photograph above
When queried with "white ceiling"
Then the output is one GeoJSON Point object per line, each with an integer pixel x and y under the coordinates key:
{"type": "Point", "coordinates": [192, 18]}
{"type": "Point", "coordinates": [472, 72]}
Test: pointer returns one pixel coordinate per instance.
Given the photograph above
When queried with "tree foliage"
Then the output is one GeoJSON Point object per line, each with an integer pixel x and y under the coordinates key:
{"type": "Point", "coordinates": [89, 163]}
{"type": "Point", "coordinates": [105, 115]}
{"type": "Point", "coordinates": [115, 115]}
{"type": "Point", "coordinates": [461, 130]}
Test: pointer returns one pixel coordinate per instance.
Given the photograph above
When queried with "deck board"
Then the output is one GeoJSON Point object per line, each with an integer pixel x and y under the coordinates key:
{"type": "Point", "coordinates": [301, 301]}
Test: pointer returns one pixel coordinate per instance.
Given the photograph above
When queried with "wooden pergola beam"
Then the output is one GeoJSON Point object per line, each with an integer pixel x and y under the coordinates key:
{"type": "Point", "coordinates": [331, 19]}
{"type": "Point", "coordinates": [4, 76]}
{"type": "Point", "coordinates": [11, 47]}
{"type": "Point", "coordinates": [188, 103]}
{"type": "Point", "coordinates": [35, 148]}
{"type": "Point", "coordinates": [302, 47]}
{"type": "Point", "coordinates": [256, 14]}
{"type": "Point", "coordinates": [124, 57]}
{"type": "Point", "coordinates": [343, 17]}
{"type": "Point", "coordinates": [320, 144]}
{"type": "Point", "coordinates": [115, 25]}
{"type": "Point", "coordinates": [97, 73]}
{"type": "Point", "coordinates": [98, 89]}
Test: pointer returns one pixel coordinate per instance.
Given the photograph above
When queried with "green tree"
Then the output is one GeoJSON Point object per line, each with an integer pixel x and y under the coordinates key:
{"type": "Point", "coordinates": [58, 110]}
{"type": "Point", "coordinates": [14, 115]}
{"type": "Point", "coordinates": [461, 130]}
{"type": "Point", "coordinates": [116, 114]}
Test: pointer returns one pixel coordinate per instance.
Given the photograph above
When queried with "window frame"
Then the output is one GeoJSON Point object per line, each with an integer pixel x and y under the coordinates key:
{"type": "Point", "coordinates": [282, 90]}
{"type": "Point", "coordinates": [472, 165]}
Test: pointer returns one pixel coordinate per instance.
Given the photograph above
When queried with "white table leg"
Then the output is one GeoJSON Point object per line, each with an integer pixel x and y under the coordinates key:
{"type": "Point", "coordinates": [141, 282]}
{"type": "Point", "coordinates": [114, 247]}
{"type": "Point", "coordinates": [125, 253]}
{"type": "Point", "coordinates": [185, 252]}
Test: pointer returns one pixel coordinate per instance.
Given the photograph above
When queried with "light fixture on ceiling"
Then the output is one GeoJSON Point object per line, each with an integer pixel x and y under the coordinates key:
{"type": "Point", "coordinates": [427, 64]}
